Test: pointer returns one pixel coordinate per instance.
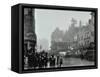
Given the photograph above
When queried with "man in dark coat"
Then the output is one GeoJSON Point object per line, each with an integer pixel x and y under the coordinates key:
{"type": "Point", "coordinates": [61, 61]}
{"type": "Point", "coordinates": [52, 61]}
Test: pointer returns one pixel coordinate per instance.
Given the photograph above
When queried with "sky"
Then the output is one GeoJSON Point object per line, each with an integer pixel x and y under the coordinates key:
{"type": "Point", "coordinates": [47, 20]}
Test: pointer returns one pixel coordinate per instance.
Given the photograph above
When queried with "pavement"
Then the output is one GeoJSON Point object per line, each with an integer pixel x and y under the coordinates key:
{"type": "Point", "coordinates": [68, 62]}
{"type": "Point", "coordinates": [76, 62]}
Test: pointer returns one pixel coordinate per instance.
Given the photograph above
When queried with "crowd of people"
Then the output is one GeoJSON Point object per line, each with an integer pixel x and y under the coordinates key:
{"type": "Point", "coordinates": [42, 59]}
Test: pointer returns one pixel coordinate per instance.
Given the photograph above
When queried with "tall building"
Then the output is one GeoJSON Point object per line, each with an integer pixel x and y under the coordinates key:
{"type": "Point", "coordinates": [57, 35]}
{"type": "Point", "coordinates": [29, 29]}
{"type": "Point", "coordinates": [85, 36]}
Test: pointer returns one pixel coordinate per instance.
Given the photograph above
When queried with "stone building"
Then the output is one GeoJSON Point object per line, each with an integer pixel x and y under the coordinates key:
{"type": "Point", "coordinates": [57, 35]}
{"type": "Point", "coordinates": [85, 36]}
{"type": "Point", "coordinates": [29, 29]}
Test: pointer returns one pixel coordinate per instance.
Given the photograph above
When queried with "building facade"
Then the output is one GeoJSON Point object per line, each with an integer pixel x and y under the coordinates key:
{"type": "Point", "coordinates": [86, 33]}
{"type": "Point", "coordinates": [29, 29]}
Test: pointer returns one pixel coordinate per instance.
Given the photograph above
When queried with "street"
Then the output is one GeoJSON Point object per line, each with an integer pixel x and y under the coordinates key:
{"type": "Point", "coordinates": [76, 62]}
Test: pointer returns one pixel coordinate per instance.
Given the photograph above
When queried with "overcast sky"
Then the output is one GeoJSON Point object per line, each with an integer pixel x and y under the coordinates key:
{"type": "Point", "coordinates": [47, 20]}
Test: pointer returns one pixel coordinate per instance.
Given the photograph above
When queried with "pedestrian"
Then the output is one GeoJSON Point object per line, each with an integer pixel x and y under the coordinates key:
{"type": "Point", "coordinates": [61, 61]}
{"type": "Point", "coordinates": [45, 60]}
{"type": "Point", "coordinates": [57, 60]}
{"type": "Point", "coordinates": [52, 61]}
